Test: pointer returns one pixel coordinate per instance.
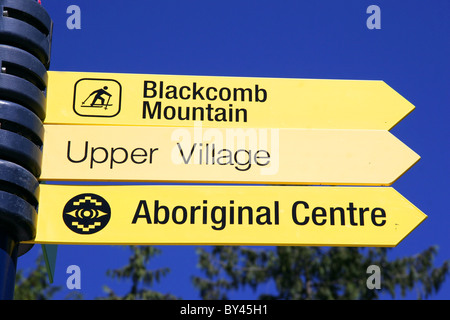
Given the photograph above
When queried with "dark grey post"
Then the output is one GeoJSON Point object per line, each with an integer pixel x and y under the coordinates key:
{"type": "Point", "coordinates": [25, 42]}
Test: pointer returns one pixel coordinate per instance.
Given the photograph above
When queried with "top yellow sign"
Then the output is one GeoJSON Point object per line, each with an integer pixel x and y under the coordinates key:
{"type": "Point", "coordinates": [221, 102]}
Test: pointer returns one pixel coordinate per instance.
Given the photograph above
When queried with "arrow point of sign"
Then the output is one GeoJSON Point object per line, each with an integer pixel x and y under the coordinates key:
{"type": "Point", "coordinates": [403, 159]}
{"type": "Point", "coordinates": [400, 107]}
{"type": "Point", "coordinates": [412, 163]}
{"type": "Point", "coordinates": [413, 216]}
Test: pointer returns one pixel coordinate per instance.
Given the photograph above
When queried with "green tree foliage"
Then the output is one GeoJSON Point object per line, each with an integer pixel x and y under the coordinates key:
{"type": "Point", "coordinates": [34, 284]}
{"type": "Point", "coordinates": [141, 277]}
{"type": "Point", "coordinates": [291, 272]}
{"type": "Point", "coordinates": [316, 272]}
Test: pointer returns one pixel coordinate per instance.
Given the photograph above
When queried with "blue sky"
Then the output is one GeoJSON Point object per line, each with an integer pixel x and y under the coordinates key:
{"type": "Point", "coordinates": [325, 39]}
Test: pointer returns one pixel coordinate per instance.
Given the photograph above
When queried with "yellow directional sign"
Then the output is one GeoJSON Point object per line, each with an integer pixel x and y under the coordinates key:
{"type": "Point", "coordinates": [291, 156]}
{"type": "Point", "coordinates": [221, 102]}
{"type": "Point", "coordinates": [232, 215]}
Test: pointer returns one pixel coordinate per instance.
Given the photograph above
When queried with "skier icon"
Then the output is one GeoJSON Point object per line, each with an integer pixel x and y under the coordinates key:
{"type": "Point", "coordinates": [98, 100]}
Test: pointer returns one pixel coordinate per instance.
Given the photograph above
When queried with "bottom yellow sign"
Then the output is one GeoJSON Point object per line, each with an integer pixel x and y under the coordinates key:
{"type": "Point", "coordinates": [224, 215]}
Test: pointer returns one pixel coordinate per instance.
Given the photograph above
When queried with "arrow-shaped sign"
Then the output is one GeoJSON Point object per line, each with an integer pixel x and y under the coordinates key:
{"type": "Point", "coordinates": [291, 156]}
{"type": "Point", "coordinates": [175, 100]}
{"type": "Point", "coordinates": [232, 215]}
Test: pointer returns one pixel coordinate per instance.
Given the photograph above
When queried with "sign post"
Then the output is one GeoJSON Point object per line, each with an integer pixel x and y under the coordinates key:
{"type": "Point", "coordinates": [222, 102]}
{"type": "Point", "coordinates": [26, 32]}
{"type": "Point", "coordinates": [163, 128]}
{"type": "Point", "coordinates": [224, 130]}
{"type": "Point", "coordinates": [270, 156]}
{"type": "Point", "coordinates": [225, 215]}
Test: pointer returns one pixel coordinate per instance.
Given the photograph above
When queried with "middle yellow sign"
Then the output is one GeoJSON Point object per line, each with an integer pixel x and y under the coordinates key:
{"type": "Point", "coordinates": [197, 154]}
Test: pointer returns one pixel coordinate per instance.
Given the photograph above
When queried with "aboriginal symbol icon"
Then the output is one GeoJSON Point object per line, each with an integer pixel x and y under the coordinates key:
{"type": "Point", "coordinates": [86, 213]}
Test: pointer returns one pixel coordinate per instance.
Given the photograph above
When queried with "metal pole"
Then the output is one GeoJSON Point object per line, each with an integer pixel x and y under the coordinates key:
{"type": "Point", "coordinates": [26, 32]}
{"type": "Point", "coordinates": [8, 262]}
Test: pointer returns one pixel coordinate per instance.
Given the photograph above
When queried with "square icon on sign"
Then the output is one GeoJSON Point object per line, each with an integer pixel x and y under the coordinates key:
{"type": "Point", "coordinates": [97, 97]}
